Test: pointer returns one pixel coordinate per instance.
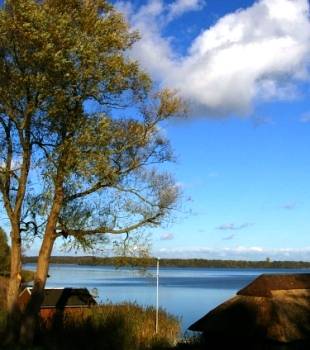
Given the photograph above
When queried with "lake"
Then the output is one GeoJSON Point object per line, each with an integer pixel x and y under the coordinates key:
{"type": "Point", "coordinates": [188, 293]}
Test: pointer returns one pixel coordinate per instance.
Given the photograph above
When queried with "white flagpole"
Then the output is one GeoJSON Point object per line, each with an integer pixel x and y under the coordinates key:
{"type": "Point", "coordinates": [157, 296]}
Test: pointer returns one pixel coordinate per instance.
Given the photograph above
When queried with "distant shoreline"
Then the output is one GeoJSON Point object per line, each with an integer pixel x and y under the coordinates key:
{"type": "Point", "coordinates": [150, 262]}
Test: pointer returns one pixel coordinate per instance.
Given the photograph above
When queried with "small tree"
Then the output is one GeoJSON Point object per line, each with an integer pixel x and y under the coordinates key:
{"type": "Point", "coordinates": [79, 117]}
{"type": "Point", "coordinates": [4, 253]}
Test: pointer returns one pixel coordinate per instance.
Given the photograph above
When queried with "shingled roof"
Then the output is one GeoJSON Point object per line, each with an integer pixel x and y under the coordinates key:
{"type": "Point", "coordinates": [66, 297]}
{"type": "Point", "coordinates": [263, 285]}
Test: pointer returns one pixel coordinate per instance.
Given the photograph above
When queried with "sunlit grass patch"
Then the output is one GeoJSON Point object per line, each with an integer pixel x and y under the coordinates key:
{"type": "Point", "coordinates": [111, 326]}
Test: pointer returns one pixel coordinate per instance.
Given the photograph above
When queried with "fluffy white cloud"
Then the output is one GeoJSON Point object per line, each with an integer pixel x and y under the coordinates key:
{"type": "Point", "coordinates": [255, 53]}
{"type": "Point", "coordinates": [238, 253]}
{"type": "Point", "coordinates": [179, 7]}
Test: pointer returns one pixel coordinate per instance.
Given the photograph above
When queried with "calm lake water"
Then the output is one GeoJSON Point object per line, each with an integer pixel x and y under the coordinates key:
{"type": "Point", "coordinates": [188, 293]}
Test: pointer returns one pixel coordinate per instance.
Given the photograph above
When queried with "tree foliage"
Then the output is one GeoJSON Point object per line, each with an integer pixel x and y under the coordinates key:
{"type": "Point", "coordinates": [4, 253]}
{"type": "Point", "coordinates": [79, 128]}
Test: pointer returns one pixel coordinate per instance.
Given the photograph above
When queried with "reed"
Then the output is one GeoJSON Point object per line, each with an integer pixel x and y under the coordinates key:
{"type": "Point", "coordinates": [111, 326]}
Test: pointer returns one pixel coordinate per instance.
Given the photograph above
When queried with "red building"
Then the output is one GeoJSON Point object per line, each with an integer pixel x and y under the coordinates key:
{"type": "Point", "coordinates": [59, 300]}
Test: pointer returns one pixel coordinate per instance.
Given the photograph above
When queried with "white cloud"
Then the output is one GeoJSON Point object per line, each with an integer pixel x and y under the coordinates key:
{"type": "Point", "coordinates": [166, 236]}
{"type": "Point", "coordinates": [305, 118]}
{"type": "Point", "coordinates": [213, 174]}
{"type": "Point", "coordinates": [259, 121]}
{"type": "Point", "coordinates": [237, 253]}
{"type": "Point", "coordinates": [289, 206]}
{"type": "Point", "coordinates": [179, 7]}
{"type": "Point", "coordinates": [234, 226]}
{"type": "Point", "coordinates": [228, 238]}
{"type": "Point", "coordinates": [252, 54]}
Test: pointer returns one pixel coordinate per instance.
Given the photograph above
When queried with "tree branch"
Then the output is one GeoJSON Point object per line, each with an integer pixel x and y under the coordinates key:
{"type": "Point", "coordinates": [25, 142]}
{"type": "Point", "coordinates": [6, 183]}
{"type": "Point", "coordinates": [132, 191]}
{"type": "Point", "coordinates": [99, 185]}
{"type": "Point", "coordinates": [105, 230]}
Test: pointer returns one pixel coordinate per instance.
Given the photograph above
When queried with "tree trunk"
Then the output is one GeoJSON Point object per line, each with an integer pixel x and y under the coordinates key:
{"type": "Point", "coordinates": [15, 275]}
{"type": "Point", "coordinates": [30, 318]}
{"type": "Point", "coordinates": [31, 315]}
{"type": "Point", "coordinates": [14, 286]}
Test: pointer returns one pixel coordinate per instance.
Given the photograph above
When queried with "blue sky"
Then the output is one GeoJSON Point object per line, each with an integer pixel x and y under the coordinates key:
{"type": "Point", "coordinates": [243, 150]}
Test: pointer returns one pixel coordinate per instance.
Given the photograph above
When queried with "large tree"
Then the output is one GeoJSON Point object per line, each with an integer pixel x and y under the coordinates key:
{"type": "Point", "coordinates": [80, 134]}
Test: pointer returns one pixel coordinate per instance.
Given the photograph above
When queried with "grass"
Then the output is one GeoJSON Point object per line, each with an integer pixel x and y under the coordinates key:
{"type": "Point", "coordinates": [123, 326]}
{"type": "Point", "coordinates": [126, 327]}
{"type": "Point", "coordinates": [111, 326]}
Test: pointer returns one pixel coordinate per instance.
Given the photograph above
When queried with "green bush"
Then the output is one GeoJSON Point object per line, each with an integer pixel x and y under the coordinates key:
{"type": "Point", "coordinates": [27, 276]}
{"type": "Point", "coordinates": [5, 253]}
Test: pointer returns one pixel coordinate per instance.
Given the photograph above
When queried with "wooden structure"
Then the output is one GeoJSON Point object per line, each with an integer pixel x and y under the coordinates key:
{"type": "Point", "coordinates": [59, 299]}
{"type": "Point", "coordinates": [272, 307]}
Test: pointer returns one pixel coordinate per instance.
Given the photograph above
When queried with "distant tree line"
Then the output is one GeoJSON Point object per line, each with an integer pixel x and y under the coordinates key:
{"type": "Point", "coordinates": [149, 262]}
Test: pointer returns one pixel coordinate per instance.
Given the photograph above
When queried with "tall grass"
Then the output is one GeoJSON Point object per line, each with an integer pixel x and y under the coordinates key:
{"type": "Point", "coordinates": [3, 323]}
{"type": "Point", "coordinates": [123, 326]}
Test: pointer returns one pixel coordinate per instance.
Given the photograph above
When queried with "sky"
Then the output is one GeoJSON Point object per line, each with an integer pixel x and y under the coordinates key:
{"type": "Point", "coordinates": [243, 151]}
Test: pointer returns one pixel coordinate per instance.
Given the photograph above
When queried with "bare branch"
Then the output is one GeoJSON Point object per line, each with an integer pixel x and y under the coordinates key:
{"type": "Point", "coordinates": [99, 185]}
{"type": "Point", "coordinates": [135, 193]}
{"type": "Point", "coordinates": [105, 230]}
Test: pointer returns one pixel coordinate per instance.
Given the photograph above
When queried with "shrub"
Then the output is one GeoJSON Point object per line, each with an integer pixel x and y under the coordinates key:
{"type": "Point", "coordinates": [5, 253]}
{"type": "Point", "coordinates": [3, 290]}
{"type": "Point", "coordinates": [27, 276]}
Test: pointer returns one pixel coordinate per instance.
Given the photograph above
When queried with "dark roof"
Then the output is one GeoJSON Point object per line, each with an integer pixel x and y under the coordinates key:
{"type": "Point", "coordinates": [264, 284]}
{"type": "Point", "coordinates": [67, 297]}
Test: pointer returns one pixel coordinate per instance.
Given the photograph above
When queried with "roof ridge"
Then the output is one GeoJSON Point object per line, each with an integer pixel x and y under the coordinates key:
{"type": "Point", "coordinates": [265, 283]}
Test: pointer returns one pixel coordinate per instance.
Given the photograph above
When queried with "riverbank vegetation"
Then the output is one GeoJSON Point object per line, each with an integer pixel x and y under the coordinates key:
{"type": "Point", "coordinates": [151, 262]}
{"type": "Point", "coordinates": [123, 326]}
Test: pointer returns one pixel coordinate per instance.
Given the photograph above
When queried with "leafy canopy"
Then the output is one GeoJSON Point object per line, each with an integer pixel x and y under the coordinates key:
{"type": "Point", "coordinates": [79, 123]}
